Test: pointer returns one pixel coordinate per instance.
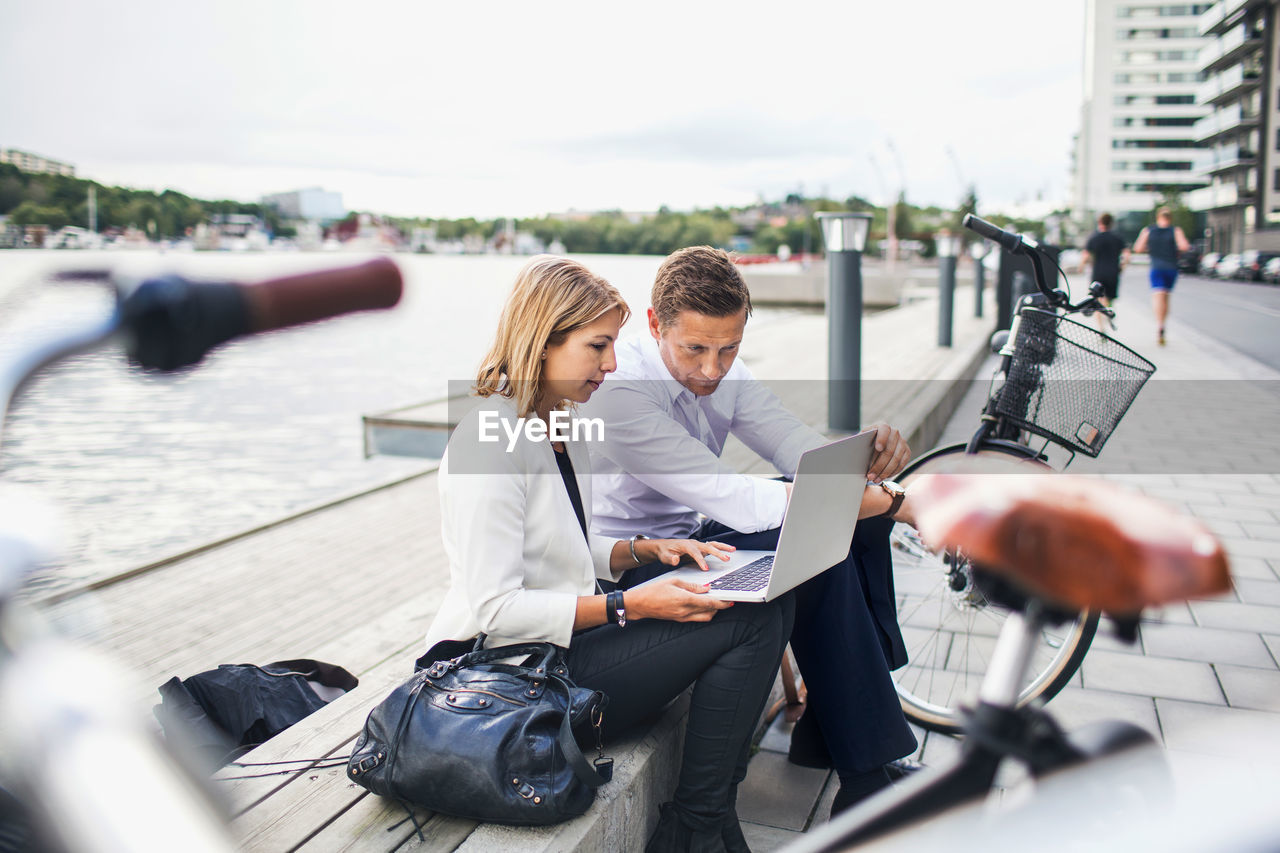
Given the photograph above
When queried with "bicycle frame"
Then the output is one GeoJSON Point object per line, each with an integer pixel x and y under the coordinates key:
{"type": "Point", "coordinates": [995, 731]}
{"type": "Point", "coordinates": [66, 734]}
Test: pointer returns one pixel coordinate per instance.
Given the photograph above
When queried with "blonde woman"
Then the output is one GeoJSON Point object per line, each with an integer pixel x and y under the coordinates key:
{"type": "Point", "coordinates": [514, 497]}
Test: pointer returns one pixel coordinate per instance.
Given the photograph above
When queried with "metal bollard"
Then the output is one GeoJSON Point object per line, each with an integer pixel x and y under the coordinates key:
{"type": "Point", "coordinates": [948, 247]}
{"type": "Point", "coordinates": [845, 236]}
{"type": "Point", "coordinates": [979, 281]}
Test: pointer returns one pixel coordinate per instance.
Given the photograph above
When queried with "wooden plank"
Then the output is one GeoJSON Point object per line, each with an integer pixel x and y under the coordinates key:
{"type": "Point", "coordinates": [284, 811]}
{"type": "Point", "coordinates": [286, 591]}
{"type": "Point", "coordinates": [280, 814]}
{"type": "Point", "coordinates": [375, 824]}
{"type": "Point", "coordinates": [297, 812]}
{"type": "Point", "coordinates": [340, 720]}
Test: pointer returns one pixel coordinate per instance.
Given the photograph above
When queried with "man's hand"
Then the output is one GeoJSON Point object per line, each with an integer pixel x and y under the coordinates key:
{"type": "Point", "coordinates": [674, 600]}
{"type": "Point", "coordinates": [892, 453]}
{"type": "Point", "coordinates": [670, 552]}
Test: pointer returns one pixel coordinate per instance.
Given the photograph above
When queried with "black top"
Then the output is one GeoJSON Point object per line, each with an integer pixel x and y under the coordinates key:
{"type": "Point", "coordinates": [571, 486]}
{"type": "Point", "coordinates": [1162, 245]}
{"type": "Point", "coordinates": [1105, 247]}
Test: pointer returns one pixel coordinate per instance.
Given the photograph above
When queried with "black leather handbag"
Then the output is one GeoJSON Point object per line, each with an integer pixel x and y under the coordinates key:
{"type": "Point", "coordinates": [491, 741]}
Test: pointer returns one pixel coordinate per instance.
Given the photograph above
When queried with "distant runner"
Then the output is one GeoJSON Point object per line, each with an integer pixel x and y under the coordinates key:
{"type": "Point", "coordinates": [1109, 254]}
{"type": "Point", "coordinates": [1163, 241]}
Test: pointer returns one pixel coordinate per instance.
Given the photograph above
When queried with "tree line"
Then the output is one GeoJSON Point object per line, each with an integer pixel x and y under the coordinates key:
{"type": "Point", "coordinates": [58, 201]}
{"type": "Point", "coordinates": [788, 222]}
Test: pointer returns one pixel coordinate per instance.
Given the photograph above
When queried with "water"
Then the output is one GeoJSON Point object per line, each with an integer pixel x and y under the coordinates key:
{"type": "Point", "coordinates": [144, 466]}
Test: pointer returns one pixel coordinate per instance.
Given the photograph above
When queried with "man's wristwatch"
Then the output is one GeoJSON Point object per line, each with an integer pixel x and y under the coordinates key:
{"type": "Point", "coordinates": [639, 562]}
{"type": "Point", "coordinates": [894, 491]}
{"type": "Point", "coordinates": [615, 608]}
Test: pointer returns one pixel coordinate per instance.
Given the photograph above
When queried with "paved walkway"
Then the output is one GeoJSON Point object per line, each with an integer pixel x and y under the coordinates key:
{"type": "Point", "coordinates": [1202, 436]}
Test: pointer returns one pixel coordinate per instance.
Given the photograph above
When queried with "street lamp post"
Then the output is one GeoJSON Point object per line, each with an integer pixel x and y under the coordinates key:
{"type": "Point", "coordinates": [845, 236]}
{"type": "Point", "coordinates": [979, 252]}
{"type": "Point", "coordinates": [948, 247]}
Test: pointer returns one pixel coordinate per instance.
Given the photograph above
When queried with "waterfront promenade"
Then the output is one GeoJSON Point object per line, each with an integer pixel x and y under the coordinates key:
{"type": "Point", "coordinates": [357, 582]}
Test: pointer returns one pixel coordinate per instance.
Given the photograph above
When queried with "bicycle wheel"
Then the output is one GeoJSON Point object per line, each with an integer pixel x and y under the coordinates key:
{"type": "Point", "coordinates": [950, 628]}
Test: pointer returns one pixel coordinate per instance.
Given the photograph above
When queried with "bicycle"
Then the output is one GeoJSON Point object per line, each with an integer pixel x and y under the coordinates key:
{"type": "Point", "coordinates": [1027, 532]}
{"type": "Point", "coordinates": [80, 773]}
{"type": "Point", "coordinates": [1059, 380]}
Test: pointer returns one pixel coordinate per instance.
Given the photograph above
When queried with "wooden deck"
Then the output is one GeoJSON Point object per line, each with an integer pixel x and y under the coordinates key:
{"type": "Point", "coordinates": [357, 583]}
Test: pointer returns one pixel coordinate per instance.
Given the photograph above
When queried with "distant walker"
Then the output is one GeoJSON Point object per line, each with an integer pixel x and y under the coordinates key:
{"type": "Point", "coordinates": [1163, 241]}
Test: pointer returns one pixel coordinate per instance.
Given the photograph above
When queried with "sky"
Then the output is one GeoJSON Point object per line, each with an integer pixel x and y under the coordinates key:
{"type": "Point", "coordinates": [499, 108]}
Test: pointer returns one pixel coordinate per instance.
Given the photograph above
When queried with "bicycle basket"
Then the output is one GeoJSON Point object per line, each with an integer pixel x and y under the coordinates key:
{"type": "Point", "coordinates": [1068, 382]}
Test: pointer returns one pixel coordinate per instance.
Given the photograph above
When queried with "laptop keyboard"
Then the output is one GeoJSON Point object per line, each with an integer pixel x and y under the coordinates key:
{"type": "Point", "coordinates": [752, 577]}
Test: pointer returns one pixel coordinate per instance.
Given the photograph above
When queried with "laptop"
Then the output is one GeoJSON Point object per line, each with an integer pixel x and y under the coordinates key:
{"type": "Point", "coordinates": [816, 530]}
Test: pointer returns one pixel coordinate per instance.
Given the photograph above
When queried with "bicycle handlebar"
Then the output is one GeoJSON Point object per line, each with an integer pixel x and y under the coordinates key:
{"type": "Point", "coordinates": [1011, 242]}
{"type": "Point", "coordinates": [296, 299]}
{"type": "Point", "coordinates": [172, 323]}
{"type": "Point", "coordinates": [1018, 244]}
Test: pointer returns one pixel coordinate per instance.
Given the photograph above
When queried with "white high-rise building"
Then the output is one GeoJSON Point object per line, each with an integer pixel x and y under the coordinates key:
{"type": "Point", "coordinates": [1137, 138]}
{"type": "Point", "coordinates": [1242, 133]}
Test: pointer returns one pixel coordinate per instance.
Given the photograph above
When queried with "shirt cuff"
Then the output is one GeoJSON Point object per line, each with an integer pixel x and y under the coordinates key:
{"type": "Point", "coordinates": [773, 504]}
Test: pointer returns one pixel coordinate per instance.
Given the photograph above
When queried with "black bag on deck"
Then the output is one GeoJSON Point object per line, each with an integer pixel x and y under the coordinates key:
{"type": "Point", "coordinates": [224, 712]}
{"type": "Point", "coordinates": [480, 739]}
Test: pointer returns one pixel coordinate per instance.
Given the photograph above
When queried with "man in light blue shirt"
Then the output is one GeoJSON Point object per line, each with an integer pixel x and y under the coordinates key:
{"type": "Point", "coordinates": [678, 394]}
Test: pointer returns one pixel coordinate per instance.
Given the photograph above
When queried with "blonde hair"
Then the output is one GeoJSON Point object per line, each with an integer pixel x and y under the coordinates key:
{"type": "Point", "coordinates": [552, 297]}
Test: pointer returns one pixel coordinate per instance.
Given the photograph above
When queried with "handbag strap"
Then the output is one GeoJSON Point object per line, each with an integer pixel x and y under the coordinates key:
{"type": "Point", "coordinates": [546, 651]}
{"type": "Point", "coordinates": [578, 763]}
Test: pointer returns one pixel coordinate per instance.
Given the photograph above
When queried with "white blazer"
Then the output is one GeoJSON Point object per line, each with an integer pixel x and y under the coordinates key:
{"type": "Point", "coordinates": [517, 558]}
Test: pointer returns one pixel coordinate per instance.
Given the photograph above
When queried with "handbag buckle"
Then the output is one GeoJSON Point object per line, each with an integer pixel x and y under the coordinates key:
{"type": "Point", "coordinates": [366, 764]}
{"type": "Point", "coordinates": [525, 790]}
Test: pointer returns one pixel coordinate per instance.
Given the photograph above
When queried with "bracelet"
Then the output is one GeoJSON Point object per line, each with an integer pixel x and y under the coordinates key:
{"type": "Point", "coordinates": [615, 608]}
{"type": "Point", "coordinates": [632, 543]}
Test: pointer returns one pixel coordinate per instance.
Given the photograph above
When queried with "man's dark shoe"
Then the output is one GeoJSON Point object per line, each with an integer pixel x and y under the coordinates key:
{"type": "Point", "coordinates": [854, 788]}
{"type": "Point", "coordinates": [902, 768]}
{"type": "Point", "coordinates": [808, 748]}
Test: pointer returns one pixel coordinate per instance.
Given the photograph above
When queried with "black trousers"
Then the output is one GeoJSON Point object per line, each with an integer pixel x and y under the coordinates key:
{"type": "Point", "coordinates": [731, 662]}
{"type": "Point", "coordinates": [846, 640]}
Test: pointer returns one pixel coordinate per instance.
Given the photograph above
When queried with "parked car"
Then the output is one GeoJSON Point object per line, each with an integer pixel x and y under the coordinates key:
{"type": "Point", "coordinates": [1189, 261]}
{"type": "Point", "coordinates": [1227, 266]}
{"type": "Point", "coordinates": [1209, 262]}
{"type": "Point", "coordinates": [1271, 272]}
{"type": "Point", "coordinates": [1252, 262]}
